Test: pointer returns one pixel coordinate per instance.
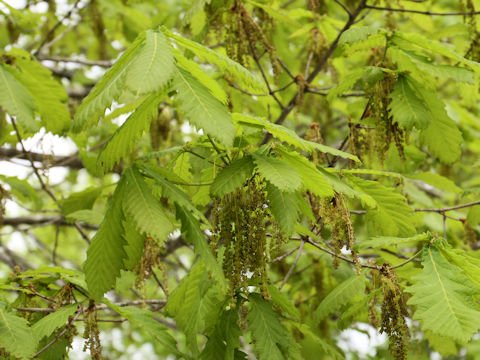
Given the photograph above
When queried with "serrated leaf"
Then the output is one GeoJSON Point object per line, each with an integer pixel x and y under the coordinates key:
{"type": "Point", "coordinates": [289, 136]}
{"type": "Point", "coordinates": [282, 300]}
{"type": "Point", "coordinates": [106, 254]}
{"type": "Point", "coordinates": [382, 241]}
{"type": "Point", "coordinates": [194, 304]}
{"type": "Point", "coordinates": [278, 172]}
{"type": "Point", "coordinates": [346, 84]}
{"type": "Point", "coordinates": [468, 263]}
{"type": "Point", "coordinates": [357, 33]}
{"type": "Point", "coordinates": [16, 337]}
{"type": "Point", "coordinates": [340, 295]}
{"type": "Point", "coordinates": [135, 243]}
{"type": "Point", "coordinates": [285, 207]}
{"type": "Point", "coordinates": [153, 65]}
{"type": "Point", "coordinates": [146, 211]}
{"type": "Point", "coordinates": [202, 108]}
{"type": "Point", "coordinates": [49, 95]}
{"type": "Point", "coordinates": [124, 139]}
{"type": "Point", "coordinates": [312, 178]}
{"type": "Point", "coordinates": [407, 108]}
{"type": "Point", "coordinates": [107, 89]}
{"type": "Point", "coordinates": [206, 80]}
{"type": "Point", "coordinates": [392, 216]}
{"type": "Point", "coordinates": [144, 319]}
{"type": "Point", "coordinates": [80, 200]}
{"type": "Point", "coordinates": [87, 216]}
{"type": "Point", "coordinates": [442, 135]}
{"type": "Point", "coordinates": [439, 181]}
{"type": "Point", "coordinates": [444, 298]}
{"type": "Point", "coordinates": [16, 100]}
{"type": "Point", "coordinates": [244, 78]}
{"type": "Point", "coordinates": [59, 318]}
{"type": "Point", "coordinates": [193, 233]}
{"type": "Point", "coordinates": [270, 336]}
{"type": "Point", "coordinates": [232, 176]}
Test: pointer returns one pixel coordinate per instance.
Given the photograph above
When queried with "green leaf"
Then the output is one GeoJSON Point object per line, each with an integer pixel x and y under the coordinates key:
{"type": "Point", "coordinates": [22, 190]}
{"type": "Point", "coordinates": [276, 14]}
{"type": "Point", "coordinates": [232, 176]}
{"type": "Point", "coordinates": [444, 298]}
{"type": "Point", "coordinates": [285, 207]}
{"type": "Point", "coordinates": [205, 79]}
{"type": "Point", "coordinates": [145, 320]}
{"type": "Point", "coordinates": [442, 135]}
{"type": "Point", "coordinates": [468, 263]}
{"type": "Point", "coordinates": [407, 108]}
{"type": "Point", "coordinates": [15, 336]}
{"type": "Point", "coordinates": [347, 83]}
{"type": "Point", "coordinates": [87, 216]}
{"type": "Point", "coordinates": [106, 254]}
{"type": "Point", "coordinates": [135, 244]}
{"type": "Point", "coordinates": [50, 97]}
{"type": "Point", "coordinates": [194, 304]}
{"type": "Point", "coordinates": [312, 178]}
{"type": "Point", "coordinates": [153, 65]}
{"type": "Point", "coordinates": [224, 340]}
{"type": "Point", "coordinates": [202, 108]}
{"type": "Point", "coordinates": [392, 216]}
{"type": "Point", "coordinates": [140, 204]}
{"type": "Point", "coordinates": [242, 76]}
{"type": "Point", "coordinates": [282, 300]}
{"type": "Point", "coordinates": [340, 296]}
{"type": "Point", "coordinates": [439, 181]}
{"type": "Point", "coordinates": [80, 200]}
{"type": "Point", "coordinates": [107, 89]}
{"type": "Point", "coordinates": [278, 172]}
{"type": "Point", "coordinates": [271, 339]}
{"type": "Point", "coordinates": [16, 100]}
{"type": "Point", "coordinates": [356, 34]}
{"type": "Point", "coordinates": [194, 234]}
{"type": "Point", "coordinates": [59, 318]}
{"type": "Point", "coordinates": [123, 141]}
{"type": "Point", "coordinates": [289, 136]}
{"type": "Point", "coordinates": [382, 241]}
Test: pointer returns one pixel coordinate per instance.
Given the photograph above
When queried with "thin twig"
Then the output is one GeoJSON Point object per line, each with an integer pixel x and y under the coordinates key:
{"type": "Point", "coordinates": [450, 208]}
{"type": "Point", "coordinates": [284, 255]}
{"type": "Point", "coordinates": [429, 13]}
{"type": "Point", "coordinates": [42, 183]}
{"type": "Point", "coordinates": [101, 63]}
{"type": "Point", "coordinates": [290, 271]}
{"type": "Point", "coordinates": [413, 258]}
{"type": "Point", "coordinates": [343, 7]}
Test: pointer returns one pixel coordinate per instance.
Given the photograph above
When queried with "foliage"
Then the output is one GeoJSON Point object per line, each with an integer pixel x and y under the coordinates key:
{"type": "Point", "coordinates": [239, 179]}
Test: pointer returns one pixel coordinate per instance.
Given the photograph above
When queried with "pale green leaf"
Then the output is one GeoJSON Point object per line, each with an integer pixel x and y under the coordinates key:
{"type": "Point", "coordinates": [123, 141]}
{"type": "Point", "coordinates": [16, 100]}
{"type": "Point", "coordinates": [242, 76]}
{"type": "Point", "coordinates": [50, 97]}
{"type": "Point", "coordinates": [382, 241]}
{"type": "Point", "coordinates": [347, 83]}
{"type": "Point", "coordinates": [135, 243]}
{"type": "Point", "coordinates": [205, 79]}
{"type": "Point", "coordinates": [285, 207]}
{"type": "Point", "coordinates": [468, 263]}
{"type": "Point", "coordinates": [340, 295]}
{"type": "Point", "coordinates": [444, 298]}
{"type": "Point", "coordinates": [357, 33]}
{"type": "Point", "coordinates": [16, 337]}
{"type": "Point", "coordinates": [271, 338]}
{"type": "Point", "coordinates": [312, 178]}
{"type": "Point", "coordinates": [140, 204]}
{"type": "Point", "coordinates": [392, 216]}
{"type": "Point", "coordinates": [106, 254]}
{"type": "Point", "coordinates": [276, 14]}
{"type": "Point", "coordinates": [80, 200]}
{"type": "Point", "coordinates": [278, 172]}
{"type": "Point", "coordinates": [232, 176]}
{"type": "Point", "coordinates": [407, 108]}
{"type": "Point", "coordinates": [59, 318]}
{"type": "Point", "coordinates": [153, 65]}
{"type": "Point", "coordinates": [202, 108]}
{"type": "Point", "coordinates": [439, 181]}
{"type": "Point", "coordinates": [107, 89]}
{"type": "Point", "coordinates": [87, 216]}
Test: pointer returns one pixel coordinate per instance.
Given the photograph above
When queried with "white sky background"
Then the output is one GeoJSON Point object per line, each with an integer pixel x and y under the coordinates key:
{"type": "Point", "coordinates": [349, 340]}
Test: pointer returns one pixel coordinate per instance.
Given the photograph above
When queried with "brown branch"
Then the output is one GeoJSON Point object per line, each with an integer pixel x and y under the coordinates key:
{"type": "Point", "coordinates": [321, 63]}
{"type": "Point", "coordinates": [429, 13]}
{"type": "Point", "coordinates": [290, 271]}
{"type": "Point", "coordinates": [101, 63]}
{"type": "Point", "coordinates": [449, 208]}
{"type": "Point", "coordinates": [42, 220]}
{"type": "Point", "coordinates": [71, 161]}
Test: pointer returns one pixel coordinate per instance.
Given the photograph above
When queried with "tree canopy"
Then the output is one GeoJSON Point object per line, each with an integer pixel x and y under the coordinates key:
{"type": "Point", "coordinates": [248, 179]}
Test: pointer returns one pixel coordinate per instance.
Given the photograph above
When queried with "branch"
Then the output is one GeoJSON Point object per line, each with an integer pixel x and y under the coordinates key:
{"type": "Point", "coordinates": [290, 271]}
{"type": "Point", "coordinates": [42, 220]}
{"type": "Point", "coordinates": [321, 63]}
{"type": "Point", "coordinates": [429, 13]}
{"type": "Point", "coordinates": [450, 208]}
{"type": "Point", "coordinates": [101, 63]}
{"type": "Point", "coordinates": [71, 161]}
